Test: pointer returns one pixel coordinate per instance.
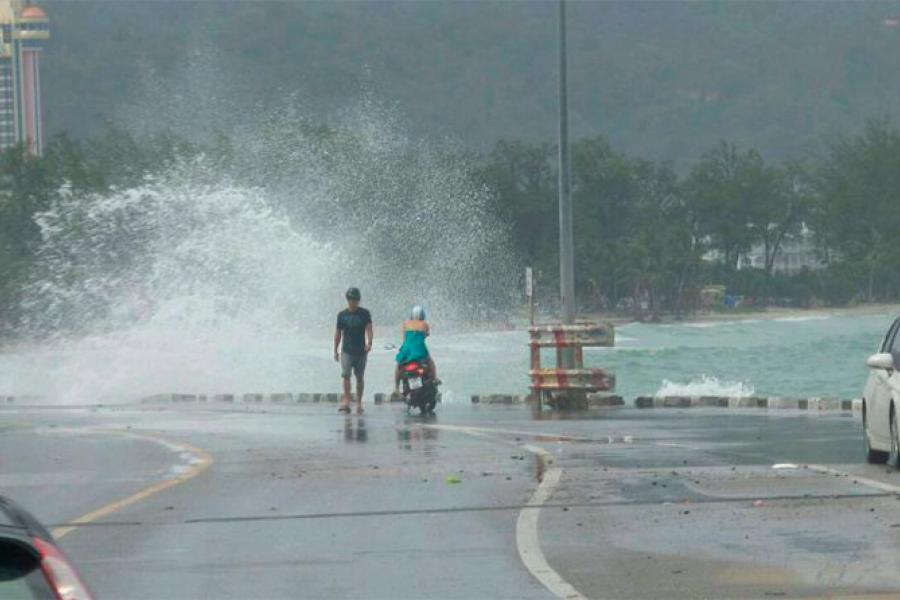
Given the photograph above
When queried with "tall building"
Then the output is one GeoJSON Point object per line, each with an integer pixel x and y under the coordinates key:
{"type": "Point", "coordinates": [23, 30]}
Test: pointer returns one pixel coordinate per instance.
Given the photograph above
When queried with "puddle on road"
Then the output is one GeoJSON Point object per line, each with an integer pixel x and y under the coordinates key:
{"type": "Point", "coordinates": [355, 430]}
{"type": "Point", "coordinates": [570, 415]}
{"type": "Point", "coordinates": [822, 543]}
{"type": "Point", "coordinates": [414, 438]}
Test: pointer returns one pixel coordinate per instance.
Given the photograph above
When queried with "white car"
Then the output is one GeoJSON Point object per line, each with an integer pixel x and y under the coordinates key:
{"type": "Point", "coordinates": [881, 401]}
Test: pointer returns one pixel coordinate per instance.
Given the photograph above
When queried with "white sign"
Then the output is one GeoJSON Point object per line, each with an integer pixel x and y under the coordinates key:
{"type": "Point", "coordinates": [529, 282]}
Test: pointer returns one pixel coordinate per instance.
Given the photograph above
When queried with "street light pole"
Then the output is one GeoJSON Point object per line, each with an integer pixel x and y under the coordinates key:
{"type": "Point", "coordinates": [566, 244]}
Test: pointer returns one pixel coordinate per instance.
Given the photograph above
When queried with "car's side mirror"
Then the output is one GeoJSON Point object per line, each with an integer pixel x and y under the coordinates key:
{"type": "Point", "coordinates": [882, 360]}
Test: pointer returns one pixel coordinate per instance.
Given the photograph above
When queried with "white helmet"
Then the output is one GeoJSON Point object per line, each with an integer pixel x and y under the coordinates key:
{"type": "Point", "coordinates": [417, 313]}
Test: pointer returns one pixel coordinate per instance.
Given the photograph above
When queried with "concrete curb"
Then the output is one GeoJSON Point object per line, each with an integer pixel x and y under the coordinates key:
{"type": "Point", "coordinates": [20, 400]}
{"type": "Point", "coordinates": [829, 404]}
{"type": "Point", "coordinates": [277, 398]}
{"type": "Point", "coordinates": [393, 398]}
{"type": "Point", "coordinates": [594, 400]}
{"type": "Point", "coordinates": [499, 399]}
{"type": "Point", "coordinates": [605, 401]}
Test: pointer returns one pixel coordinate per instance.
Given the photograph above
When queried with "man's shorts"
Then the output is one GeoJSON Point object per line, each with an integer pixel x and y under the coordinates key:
{"type": "Point", "coordinates": [353, 362]}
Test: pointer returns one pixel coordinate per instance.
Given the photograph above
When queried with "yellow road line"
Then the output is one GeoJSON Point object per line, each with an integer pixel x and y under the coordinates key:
{"type": "Point", "coordinates": [204, 460]}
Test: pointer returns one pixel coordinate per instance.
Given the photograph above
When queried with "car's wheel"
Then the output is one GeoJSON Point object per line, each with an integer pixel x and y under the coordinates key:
{"type": "Point", "coordinates": [873, 457]}
{"type": "Point", "coordinates": [894, 457]}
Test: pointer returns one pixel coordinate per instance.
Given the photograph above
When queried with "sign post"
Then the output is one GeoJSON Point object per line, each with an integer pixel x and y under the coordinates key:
{"type": "Point", "coordinates": [566, 244]}
{"type": "Point", "coordinates": [529, 293]}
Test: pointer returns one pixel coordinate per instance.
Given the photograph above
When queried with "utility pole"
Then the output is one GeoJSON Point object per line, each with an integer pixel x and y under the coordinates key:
{"type": "Point", "coordinates": [566, 243]}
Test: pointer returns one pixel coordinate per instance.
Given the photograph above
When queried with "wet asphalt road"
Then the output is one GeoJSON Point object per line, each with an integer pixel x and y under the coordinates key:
{"type": "Point", "coordinates": [300, 502]}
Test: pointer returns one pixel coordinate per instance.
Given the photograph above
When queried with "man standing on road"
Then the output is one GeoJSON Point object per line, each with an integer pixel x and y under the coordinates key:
{"type": "Point", "coordinates": [354, 327]}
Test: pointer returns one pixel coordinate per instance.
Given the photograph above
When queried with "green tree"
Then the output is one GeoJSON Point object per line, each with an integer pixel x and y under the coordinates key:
{"type": "Point", "coordinates": [783, 209]}
{"type": "Point", "coordinates": [524, 181]}
{"type": "Point", "coordinates": [604, 189]}
{"type": "Point", "coordinates": [664, 251]}
{"type": "Point", "coordinates": [726, 190]}
{"type": "Point", "coordinates": [858, 189]}
{"type": "Point", "coordinates": [25, 187]}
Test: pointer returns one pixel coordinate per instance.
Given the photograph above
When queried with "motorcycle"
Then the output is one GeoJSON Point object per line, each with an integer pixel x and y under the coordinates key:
{"type": "Point", "coordinates": [419, 386]}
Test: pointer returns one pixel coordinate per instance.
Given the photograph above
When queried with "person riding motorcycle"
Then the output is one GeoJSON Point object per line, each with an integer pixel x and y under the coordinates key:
{"type": "Point", "coordinates": [414, 331]}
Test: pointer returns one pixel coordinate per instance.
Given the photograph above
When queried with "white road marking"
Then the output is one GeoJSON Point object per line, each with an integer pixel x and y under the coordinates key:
{"type": "Point", "coordinates": [878, 485]}
{"type": "Point", "coordinates": [528, 542]}
{"type": "Point", "coordinates": [536, 450]}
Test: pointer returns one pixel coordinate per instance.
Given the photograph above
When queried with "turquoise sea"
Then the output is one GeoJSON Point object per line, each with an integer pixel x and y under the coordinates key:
{"type": "Point", "coordinates": [817, 355]}
{"type": "Point", "coordinates": [813, 355]}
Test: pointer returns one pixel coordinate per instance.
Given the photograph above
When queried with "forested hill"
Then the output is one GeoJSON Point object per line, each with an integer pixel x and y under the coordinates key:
{"type": "Point", "coordinates": [664, 80]}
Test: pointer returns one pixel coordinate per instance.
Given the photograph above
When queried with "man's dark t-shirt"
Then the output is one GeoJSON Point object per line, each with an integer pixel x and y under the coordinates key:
{"type": "Point", "coordinates": [353, 325]}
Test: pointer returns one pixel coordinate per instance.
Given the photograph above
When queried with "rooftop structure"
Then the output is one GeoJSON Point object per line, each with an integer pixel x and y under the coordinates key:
{"type": "Point", "coordinates": [23, 30]}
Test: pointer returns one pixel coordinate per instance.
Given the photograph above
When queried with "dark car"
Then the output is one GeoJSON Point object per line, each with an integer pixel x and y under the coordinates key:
{"type": "Point", "coordinates": [32, 567]}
